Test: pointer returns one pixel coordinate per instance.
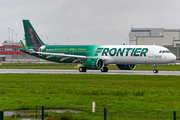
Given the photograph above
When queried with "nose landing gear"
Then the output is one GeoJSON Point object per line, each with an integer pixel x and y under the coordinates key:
{"type": "Point", "coordinates": [155, 69]}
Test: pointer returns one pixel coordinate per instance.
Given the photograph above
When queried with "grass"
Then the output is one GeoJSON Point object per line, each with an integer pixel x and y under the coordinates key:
{"type": "Point", "coordinates": [37, 66]}
{"type": "Point", "coordinates": [72, 66]}
{"type": "Point", "coordinates": [25, 91]}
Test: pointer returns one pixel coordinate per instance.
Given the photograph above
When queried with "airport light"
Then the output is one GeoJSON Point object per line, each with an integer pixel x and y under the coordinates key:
{"type": "Point", "coordinates": [9, 29]}
{"type": "Point", "coordinates": [12, 33]}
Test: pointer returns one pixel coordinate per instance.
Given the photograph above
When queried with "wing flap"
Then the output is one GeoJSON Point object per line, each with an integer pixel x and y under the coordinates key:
{"type": "Point", "coordinates": [65, 58]}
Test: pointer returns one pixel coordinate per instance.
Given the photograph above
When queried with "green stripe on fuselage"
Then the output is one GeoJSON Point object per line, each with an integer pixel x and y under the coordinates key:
{"type": "Point", "coordinates": [84, 50]}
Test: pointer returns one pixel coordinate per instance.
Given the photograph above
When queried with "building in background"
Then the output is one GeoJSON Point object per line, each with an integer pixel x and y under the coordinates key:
{"type": "Point", "coordinates": [11, 43]}
{"type": "Point", "coordinates": [9, 52]}
{"type": "Point", "coordinates": [144, 32]}
{"type": "Point", "coordinates": [169, 38]}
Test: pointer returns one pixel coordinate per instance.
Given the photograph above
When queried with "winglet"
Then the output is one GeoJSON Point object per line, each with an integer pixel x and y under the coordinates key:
{"type": "Point", "coordinates": [23, 45]}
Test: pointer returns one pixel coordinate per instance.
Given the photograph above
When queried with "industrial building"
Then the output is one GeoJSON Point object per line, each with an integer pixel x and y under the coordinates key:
{"type": "Point", "coordinates": [144, 32]}
{"type": "Point", "coordinates": [169, 38]}
{"type": "Point", "coordinates": [9, 52]}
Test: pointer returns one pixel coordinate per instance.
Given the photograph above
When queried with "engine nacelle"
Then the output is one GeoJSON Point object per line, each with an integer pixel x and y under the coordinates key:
{"type": "Point", "coordinates": [94, 63]}
{"type": "Point", "coordinates": [126, 66]}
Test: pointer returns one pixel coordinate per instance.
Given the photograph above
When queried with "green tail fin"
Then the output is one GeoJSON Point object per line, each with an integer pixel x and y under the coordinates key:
{"type": "Point", "coordinates": [32, 38]}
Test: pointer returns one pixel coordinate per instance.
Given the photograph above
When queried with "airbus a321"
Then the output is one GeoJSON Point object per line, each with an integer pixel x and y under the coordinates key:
{"type": "Point", "coordinates": [96, 57]}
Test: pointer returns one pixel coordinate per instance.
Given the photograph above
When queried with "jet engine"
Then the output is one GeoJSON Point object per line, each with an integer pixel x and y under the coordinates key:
{"type": "Point", "coordinates": [94, 63]}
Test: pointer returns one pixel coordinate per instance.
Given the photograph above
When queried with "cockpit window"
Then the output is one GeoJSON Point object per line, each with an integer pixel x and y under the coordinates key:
{"type": "Point", "coordinates": [164, 51]}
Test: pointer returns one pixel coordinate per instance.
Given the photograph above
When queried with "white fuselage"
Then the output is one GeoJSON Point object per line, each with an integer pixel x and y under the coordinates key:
{"type": "Point", "coordinates": [137, 54]}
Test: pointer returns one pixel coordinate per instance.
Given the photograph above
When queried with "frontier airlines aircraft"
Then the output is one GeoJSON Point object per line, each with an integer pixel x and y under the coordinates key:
{"type": "Point", "coordinates": [96, 57]}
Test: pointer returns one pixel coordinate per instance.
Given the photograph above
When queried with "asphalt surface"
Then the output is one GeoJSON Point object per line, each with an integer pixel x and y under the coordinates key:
{"type": "Point", "coordinates": [61, 71]}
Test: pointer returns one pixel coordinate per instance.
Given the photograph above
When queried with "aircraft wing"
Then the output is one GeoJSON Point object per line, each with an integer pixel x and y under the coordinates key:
{"type": "Point", "coordinates": [64, 56]}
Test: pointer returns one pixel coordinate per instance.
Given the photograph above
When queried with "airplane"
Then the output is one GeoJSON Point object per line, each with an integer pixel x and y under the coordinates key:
{"type": "Point", "coordinates": [95, 57]}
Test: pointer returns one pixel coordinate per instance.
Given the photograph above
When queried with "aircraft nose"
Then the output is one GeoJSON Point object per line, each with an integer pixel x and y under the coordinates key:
{"type": "Point", "coordinates": [172, 58]}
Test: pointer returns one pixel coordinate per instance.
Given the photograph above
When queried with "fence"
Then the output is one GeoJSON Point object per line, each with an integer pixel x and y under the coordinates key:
{"type": "Point", "coordinates": [101, 113]}
{"type": "Point", "coordinates": [20, 58]}
{"type": "Point", "coordinates": [63, 112]}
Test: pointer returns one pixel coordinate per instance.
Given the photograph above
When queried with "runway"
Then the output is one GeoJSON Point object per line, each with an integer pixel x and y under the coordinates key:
{"type": "Point", "coordinates": [110, 72]}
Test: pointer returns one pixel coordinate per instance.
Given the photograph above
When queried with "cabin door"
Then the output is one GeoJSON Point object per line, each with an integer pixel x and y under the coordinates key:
{"type": "Point", "coordinates": [150, 52]}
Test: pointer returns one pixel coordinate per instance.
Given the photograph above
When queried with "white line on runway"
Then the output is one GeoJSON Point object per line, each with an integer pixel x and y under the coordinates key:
{"type": "Point", "coordinates": [61, 71]}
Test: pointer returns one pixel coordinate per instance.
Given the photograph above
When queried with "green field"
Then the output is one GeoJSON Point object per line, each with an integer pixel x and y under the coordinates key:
{"type": "Point", "coordinates": [72, 66]}
{"type": "Point", "coordinates": [25, 91]}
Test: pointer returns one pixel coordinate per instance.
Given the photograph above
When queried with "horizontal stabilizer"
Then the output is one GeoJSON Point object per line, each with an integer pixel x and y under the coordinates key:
{"type": "Point", "coordinates": [30, 51]}
{"type": "Point", "coordinates": [27, 50]}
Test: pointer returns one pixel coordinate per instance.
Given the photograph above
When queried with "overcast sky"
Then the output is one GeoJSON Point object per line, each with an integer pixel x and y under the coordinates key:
{"type": "Point", "coordinates": [87, 22]}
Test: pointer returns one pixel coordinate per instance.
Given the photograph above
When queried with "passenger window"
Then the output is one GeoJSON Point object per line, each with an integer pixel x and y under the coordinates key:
{"type": "Point", "coordinates": [160, 51]}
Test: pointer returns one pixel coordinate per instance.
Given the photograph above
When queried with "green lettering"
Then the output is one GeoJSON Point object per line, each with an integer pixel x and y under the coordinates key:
{"type": "Point", "coordinates": [128, 51]}
{"type": "Point", "coordinates": [136, 52]}
{"type": "Point", "coordinates": [144, 51]}
{"type": "Point", "coordinates": [133, 51]}
{"type": "Point", "coordinates": [105, 51]}
{"type": "Point", "coordinates": [112, 52]}
{"type": "Point", "coordinates": [119, 51]}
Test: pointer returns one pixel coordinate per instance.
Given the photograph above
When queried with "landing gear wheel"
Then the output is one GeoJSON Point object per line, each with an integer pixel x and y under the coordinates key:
{"type": "Point", "coordinates": [155, 69]}
{"type": "Point", "coordinates": [82, 69]}
{"type": "Point", "coordinates": [104, 69]}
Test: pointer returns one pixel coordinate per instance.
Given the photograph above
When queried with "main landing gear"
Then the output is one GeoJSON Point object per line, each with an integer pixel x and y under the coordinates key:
{"type": "Point", "coordinates": [155, 69]}
{"type": "Point", "coordinates": [82, 69]}
{"type": "Point", "coordinates": [104, 69]}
